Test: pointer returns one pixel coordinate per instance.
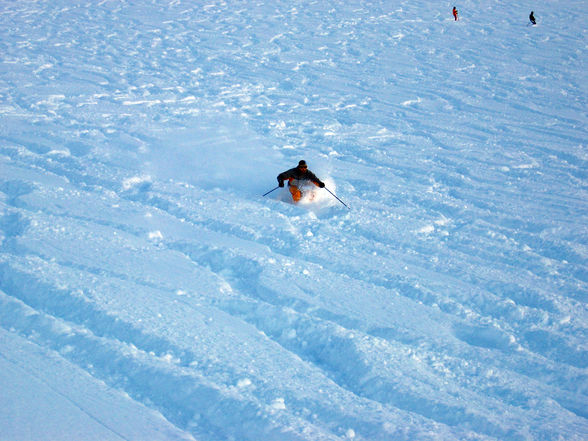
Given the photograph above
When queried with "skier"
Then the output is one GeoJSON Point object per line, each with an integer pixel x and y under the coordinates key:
{"type": "Point", "coordinates": [295, 177]}
{"type": "Point", "coordinates": [532, 18]}
{"type": "Point", "coordinates": [455, 13]}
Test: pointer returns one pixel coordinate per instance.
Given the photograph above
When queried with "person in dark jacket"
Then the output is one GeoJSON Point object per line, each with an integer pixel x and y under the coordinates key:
{"type": "Point", "coordinates": [296, 177]}
{"type": "Point", "coordinates": [532, 18]}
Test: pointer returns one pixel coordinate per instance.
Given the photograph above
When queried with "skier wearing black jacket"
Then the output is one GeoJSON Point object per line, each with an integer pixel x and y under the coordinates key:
{"type": "Point", "coordinates": [295, 176]}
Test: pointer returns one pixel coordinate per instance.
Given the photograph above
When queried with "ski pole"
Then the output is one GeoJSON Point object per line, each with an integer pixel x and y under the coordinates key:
{"type": "Point", "coordinates": [335, 196]}
{"type": "Point", "coordinates": [273, 189]}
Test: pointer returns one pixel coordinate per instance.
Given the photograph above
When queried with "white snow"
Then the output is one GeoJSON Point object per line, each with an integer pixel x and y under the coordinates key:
{"type": "Point", "coordinates": [149, 292]}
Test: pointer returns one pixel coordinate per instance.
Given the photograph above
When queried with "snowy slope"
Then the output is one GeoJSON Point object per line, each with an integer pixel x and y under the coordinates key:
{"type": "Point", "coordinates": [149, 291]}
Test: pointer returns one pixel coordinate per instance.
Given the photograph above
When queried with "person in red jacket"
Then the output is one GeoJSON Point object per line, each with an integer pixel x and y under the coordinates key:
{"type": "Point", "coordinates": [455, 13]}
{"type": "Point", "coordinates": [296, 177]}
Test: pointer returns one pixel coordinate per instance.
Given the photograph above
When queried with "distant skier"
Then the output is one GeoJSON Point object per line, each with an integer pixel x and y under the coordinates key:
{"type": "Point", "coordinates": [455, 13]}
{"type": "Point", "coordinates": [296, 177]}
{"type": "Point", "coordinates": [532, 18]}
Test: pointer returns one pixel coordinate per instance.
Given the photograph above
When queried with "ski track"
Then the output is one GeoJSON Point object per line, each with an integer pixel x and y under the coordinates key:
{"type": "Point", "coordinates": [500, 293]}
{"type": "Point", "coordinates": [320, 326]}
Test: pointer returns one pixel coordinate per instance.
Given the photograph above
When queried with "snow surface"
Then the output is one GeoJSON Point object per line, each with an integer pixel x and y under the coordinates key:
{"type": "Point", "coordinates": [149, 292]}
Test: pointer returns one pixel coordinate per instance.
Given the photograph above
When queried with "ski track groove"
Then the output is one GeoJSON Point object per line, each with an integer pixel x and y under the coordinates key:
{"type": "Point", "coordinates": [111, 338]}
{"type": "Point", "coordinates": [112, 333]}
{"type": "Point", "coordinates": [119, 352]}
{"type": "Point", "coordinates": [171, 207]}
{"type": "Point", "coordinates": [278, 304]}
{"type": "Point", "coordinates": [95, 320]}
{"type": "Point", "coordinates": [156, 201]}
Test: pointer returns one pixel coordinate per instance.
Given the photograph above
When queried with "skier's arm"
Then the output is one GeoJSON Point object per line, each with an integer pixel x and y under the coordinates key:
{"type": "Point", "coordinates": [316, 181]}
{"type": "Point", "coordinates": [284, 176]}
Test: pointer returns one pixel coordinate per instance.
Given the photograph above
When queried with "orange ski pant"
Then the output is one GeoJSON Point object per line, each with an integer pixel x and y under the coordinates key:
{"type": "Point", "coordinates": [296, 193]}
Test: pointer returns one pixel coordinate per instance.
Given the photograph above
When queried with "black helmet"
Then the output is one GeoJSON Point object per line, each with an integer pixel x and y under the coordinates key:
{"type": "Point", "coordinates": [302, 163]}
